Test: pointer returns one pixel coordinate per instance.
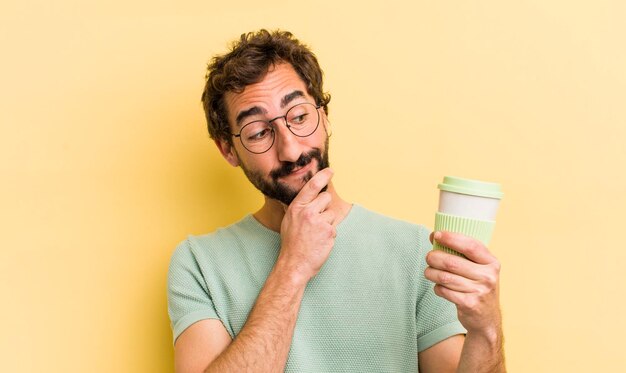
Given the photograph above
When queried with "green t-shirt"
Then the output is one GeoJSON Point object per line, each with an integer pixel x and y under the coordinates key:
{"type": "Point", "coordinates": [369, 309]}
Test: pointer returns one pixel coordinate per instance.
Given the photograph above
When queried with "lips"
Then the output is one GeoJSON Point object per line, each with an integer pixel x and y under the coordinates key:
{"type": "Point", "coordinates": [300, 170]}
{"type": "Point", "coordinates": [291, 168]}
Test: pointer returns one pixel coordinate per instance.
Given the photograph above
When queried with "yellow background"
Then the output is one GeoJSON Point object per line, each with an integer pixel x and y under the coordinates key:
{"type": "Point", "coordinates": [106, 164]}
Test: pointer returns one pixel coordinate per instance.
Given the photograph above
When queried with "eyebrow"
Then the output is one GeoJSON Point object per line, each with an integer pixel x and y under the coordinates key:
{"type": "Point", "coordinates": [256, 110]}
{"type": "Point", "coordinates": [290, 97]}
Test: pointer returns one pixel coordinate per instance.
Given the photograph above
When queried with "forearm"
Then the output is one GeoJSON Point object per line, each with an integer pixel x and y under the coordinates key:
{"type": "Point", "coordinates": [483, 353]}
{"type": "Point", "coordinates": [264, 341]}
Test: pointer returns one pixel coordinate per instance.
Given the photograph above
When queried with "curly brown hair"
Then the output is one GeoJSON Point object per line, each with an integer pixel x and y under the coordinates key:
{"type": "Point", "coordinates": [247, 63]}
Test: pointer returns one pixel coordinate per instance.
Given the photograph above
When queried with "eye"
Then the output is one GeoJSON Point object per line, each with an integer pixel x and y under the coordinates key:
{"type": "Point", "coordinates": [259, 134]}
{"type": "Point", "coordinates": [299, 119]}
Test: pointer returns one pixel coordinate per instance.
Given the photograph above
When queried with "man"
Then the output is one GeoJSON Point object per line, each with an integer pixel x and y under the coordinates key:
{"type": "Point", "coordinates": [310, 282]}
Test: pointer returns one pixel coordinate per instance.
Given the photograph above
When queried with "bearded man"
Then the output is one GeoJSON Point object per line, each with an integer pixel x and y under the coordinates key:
{"type": "Point", "coordinates": [311, 282]}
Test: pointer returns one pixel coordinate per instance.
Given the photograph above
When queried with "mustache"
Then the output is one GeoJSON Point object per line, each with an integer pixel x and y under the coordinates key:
{"type": "Point", "coordinates": [287, 167]}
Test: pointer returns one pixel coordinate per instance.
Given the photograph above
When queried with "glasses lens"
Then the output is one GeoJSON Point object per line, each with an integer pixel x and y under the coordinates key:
{"type": "Point", "coordinates": [257, 136]}
{"type": "Point", "coordinates": [303, 119]}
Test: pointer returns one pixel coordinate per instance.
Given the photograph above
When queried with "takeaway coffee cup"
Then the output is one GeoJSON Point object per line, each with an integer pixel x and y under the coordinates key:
{"type": "Point", "coordinates": [468, 207]}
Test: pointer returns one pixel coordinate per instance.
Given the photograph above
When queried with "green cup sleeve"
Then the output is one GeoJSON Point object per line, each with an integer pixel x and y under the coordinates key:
{"type": "Point", "coordinates": [479, 229]}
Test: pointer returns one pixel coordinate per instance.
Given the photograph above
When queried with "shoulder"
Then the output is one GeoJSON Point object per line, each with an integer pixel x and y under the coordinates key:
{"type": "Point", "coordinates": [223, 251]}
{"type": "Point", "coordinates": [194, 246]}
{"type": "Point", "coordinates": [230, 234]}
{"type": "Point", "coordinates": [369, 220]}
{"type": "Point", "coordinates": [389, 234]}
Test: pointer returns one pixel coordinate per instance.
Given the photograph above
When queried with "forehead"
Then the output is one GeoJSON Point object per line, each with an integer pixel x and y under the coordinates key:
{"type": "Point", "coordinates": [280, 80]}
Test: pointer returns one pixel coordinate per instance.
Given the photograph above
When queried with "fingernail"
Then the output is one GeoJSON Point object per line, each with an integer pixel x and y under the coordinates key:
{"type": "Point", "coordinates": [437, 235]}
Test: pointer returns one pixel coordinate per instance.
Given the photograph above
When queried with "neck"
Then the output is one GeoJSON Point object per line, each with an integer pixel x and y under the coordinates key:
{"type": "Point", "coordinates": [272, 212]}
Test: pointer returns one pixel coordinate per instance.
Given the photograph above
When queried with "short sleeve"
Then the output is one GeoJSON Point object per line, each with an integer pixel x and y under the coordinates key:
{"type": "Point", "coordinates": [188, 298]}
{"type": "Point", "coordinates": [436, 317]}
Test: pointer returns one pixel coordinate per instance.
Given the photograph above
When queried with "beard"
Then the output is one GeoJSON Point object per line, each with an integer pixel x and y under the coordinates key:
{"type": "Point", "coordinates": [282, 192]}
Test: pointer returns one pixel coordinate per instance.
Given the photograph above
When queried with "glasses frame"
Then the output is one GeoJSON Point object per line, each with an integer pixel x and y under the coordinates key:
{"type": "Point", "coordinates": [271, 125]}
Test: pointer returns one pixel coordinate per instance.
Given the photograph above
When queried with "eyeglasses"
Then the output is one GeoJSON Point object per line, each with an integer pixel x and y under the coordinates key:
{"type": "Point", "coordinates": [258, 136]}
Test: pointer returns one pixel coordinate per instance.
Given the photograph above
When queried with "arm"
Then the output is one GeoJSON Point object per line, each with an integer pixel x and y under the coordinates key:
{"type": "Point", "coordinates": [472, 284]}
{"type": "Point", "coordinates": [442, 357]}
{"type": "Point", "coordinates": [199, 345]}
{"type": "Point", "coordinates": [307, 236]}
{"type": "Point", "coordinates": [264, 341]}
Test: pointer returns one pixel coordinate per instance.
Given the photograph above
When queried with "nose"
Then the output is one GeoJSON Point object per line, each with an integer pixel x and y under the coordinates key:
{"type": "Point", "coordinates": [287, 144]}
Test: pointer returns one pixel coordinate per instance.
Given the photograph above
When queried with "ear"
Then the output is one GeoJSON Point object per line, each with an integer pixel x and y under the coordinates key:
{"type": "Point", "coordinates": [228, 152]}
{"type": "Point", "coordinates": [327, 127]}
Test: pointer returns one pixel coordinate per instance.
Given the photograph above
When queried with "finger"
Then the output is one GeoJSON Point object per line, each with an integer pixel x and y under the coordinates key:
{"type": "Point", "coordinates": [457, 265]}
{"type": "Point", "coordinates": [449, 280]}
{"type": "Point", "coordinates": [472, 248]}
{"type": "Point", "coordinates": [312, 188]}
{"type": "Point", "coordinates": [328, 216]}
{"type": "Point", "coordinates": [455, 297]}
{"type": "Point", "coordinates": [321, 202]}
